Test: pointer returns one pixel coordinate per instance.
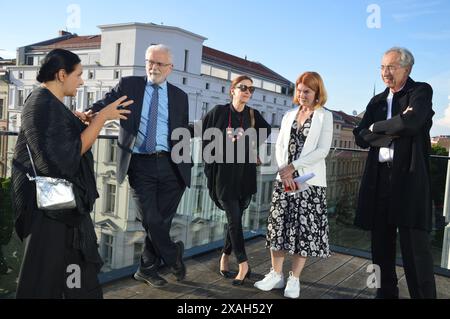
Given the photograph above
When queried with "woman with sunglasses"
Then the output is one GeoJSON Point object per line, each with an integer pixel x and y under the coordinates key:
{"type": "Point", "coordinates": [297, 223]}
{"type": "Point", "coordinates": [232, 178]}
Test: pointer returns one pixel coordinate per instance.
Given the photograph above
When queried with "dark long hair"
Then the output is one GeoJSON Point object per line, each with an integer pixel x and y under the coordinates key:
{"type": "Point", "coordinates": [54, 61]}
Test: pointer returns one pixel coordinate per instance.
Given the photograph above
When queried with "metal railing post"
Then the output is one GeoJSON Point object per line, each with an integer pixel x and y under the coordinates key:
{"type": "Point", "coordinates": [445, 259]}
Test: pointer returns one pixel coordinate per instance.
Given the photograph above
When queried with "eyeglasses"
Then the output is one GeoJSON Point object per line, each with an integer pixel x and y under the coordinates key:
{"type": "Point", "coordinates": [158, 64]}
{"type": "Point", "coordinates": [390, 68]}
{"type": "Point", "coordinates": [244, 88]}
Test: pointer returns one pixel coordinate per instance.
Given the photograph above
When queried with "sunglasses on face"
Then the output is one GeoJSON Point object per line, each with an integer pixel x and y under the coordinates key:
{"type": "Point", "coordinates": [244, 88]}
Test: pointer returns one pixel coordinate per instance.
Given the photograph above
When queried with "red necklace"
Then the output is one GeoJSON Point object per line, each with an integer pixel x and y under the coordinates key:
{"type": "Point", "coordinates": [240, 130]}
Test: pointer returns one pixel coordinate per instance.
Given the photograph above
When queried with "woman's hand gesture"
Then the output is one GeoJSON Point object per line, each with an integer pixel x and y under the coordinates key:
{"type": "Point", "coordinates": [116, 110]}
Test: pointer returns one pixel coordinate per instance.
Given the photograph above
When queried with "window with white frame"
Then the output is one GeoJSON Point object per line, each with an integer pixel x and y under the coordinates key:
{"type": "Point", "coordinates": [20, 97]}
{"type": "Point", "coordinates": [257, 83]}
{"type": "Point", "coordinates": [90, 98]}
{"type": "Point", "coordinates": [219, 73]}
{"type": "Point", "coordinates": [107, 242]}
{"type": "Point", "coordinates": [205, 107]}
{"type": "Point", "coordinates": [2, 102]}
{"type": "Point", "coordinates": [206, 69]}
{"type": "Point", "coordinates": [234, 75]}
{"type": "Point", "coordinates": [278, 88]}
{"type": "Point", "coordinates": [118, 47]}
{"type": "Point", "coordinates": [110, 198]}
{"type": "Point", "coordinates": [186, 60]}
{"type": "Point", "coordinates": [112, 154]}
{"type": "Point", "coordinates": [72, 103]}
{"type": "Point", "coordinates": [269, 86]}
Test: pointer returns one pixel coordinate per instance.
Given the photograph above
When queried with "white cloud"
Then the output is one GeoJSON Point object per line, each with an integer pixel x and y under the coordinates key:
{"type": "Point", "coordinates": [440, 83]}
{"type": "Point", "coordinates": [410, 9]}
{"type": "Point", "coordinates": [445, 121]}
{"type": "Point", "coordinates": [5, 54]}
{"type": "Point", "coordinates": [439, 35]}
{"type": "Point", "coordinates": [401, 17]}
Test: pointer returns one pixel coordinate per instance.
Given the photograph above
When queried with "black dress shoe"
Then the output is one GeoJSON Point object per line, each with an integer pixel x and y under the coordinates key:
{"type": "Point", "coordinates": [224, 273]}
{"type": "Point", "coordinates": [179, 269]}
{"type": "Point", "coordinates": [238, 282]}
{"type": "Point", "coordinates": [151, 278]}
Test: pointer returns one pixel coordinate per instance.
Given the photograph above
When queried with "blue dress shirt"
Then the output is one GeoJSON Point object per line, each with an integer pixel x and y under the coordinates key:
{"type": "Point", "coordinates": [162, 127]}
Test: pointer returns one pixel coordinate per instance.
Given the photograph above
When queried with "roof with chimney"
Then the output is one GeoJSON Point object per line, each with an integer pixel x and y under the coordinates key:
{"type": "Point", "coordinates": [71, 41]}
{"type": "Point", "coordinates": [223, 58]}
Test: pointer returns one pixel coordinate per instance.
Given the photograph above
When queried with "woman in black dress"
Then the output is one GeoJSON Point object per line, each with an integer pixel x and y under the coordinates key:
{"type": "Point", "coordinates": [61, 258]}
{"type": "Point", "coordinates": [231, 172]}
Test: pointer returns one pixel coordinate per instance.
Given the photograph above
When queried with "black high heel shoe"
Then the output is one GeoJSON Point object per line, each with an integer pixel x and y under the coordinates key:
{"type": "Point", "coordinates": [238, 282]}
{"type": "Point", "coordinates": [224, 273]}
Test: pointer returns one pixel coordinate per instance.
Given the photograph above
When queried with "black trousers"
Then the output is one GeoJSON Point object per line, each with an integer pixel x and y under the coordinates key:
{"type": "Point", "coordinates": [234, 239]}
{"type": "Point", "coordinates": [157, 191]}
{"type": "Point", "coordinates": [414, 243]}
{"type": "Point", "coordinates": [45, 271]}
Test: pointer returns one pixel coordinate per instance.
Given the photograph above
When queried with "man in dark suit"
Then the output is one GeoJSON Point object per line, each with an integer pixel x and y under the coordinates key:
{"type": "Point", "coordinates": [144, 153]}
{"type": "Point", "coordinates": [395, 189]}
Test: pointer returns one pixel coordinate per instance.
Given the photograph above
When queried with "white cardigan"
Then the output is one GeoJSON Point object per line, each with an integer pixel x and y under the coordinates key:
{"type": "Point", "coordinates": [315, 150]}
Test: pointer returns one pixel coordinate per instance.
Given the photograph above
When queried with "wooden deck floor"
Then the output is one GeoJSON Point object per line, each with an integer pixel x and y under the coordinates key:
{"type": "Point", "coordinates": [338, 277]}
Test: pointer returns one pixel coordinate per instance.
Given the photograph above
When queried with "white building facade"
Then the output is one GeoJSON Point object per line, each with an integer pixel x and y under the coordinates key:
{"type": "Point", "coordinates": [204, 74]}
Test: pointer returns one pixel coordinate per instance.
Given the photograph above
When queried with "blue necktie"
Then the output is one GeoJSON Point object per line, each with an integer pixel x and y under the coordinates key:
{"type": "Point", "coordinates": [150, 142]}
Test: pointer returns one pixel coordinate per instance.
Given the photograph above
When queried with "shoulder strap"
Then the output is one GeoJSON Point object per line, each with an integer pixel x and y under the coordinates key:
{"type": "Point", "coordinates": [31, 160]}
{"type": "Point", "coordinates": [252, 117]}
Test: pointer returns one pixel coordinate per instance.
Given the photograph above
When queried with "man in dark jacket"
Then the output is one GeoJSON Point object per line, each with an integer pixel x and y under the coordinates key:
{"type": "Point", "coordinates": [145, 155]}
{"type": "Point", "coordinates": [395, 189]}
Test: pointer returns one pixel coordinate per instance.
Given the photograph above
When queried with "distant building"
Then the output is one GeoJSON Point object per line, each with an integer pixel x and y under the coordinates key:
{"type": "Point", "coordinates": [344, 168]}
{"type": "Point", "coordinates": [442, 140]}
{"type": "Point", "coordinates": [4, 88]}
{"type": "Point", "coordinates": [205, 74]}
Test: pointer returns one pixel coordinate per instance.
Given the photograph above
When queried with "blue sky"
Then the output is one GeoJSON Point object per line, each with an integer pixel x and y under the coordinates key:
{"type": "Point", "coordinates": [290, 37]}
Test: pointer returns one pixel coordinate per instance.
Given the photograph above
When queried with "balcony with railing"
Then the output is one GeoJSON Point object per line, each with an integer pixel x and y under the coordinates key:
{"type": "Point", "coordinates": [201, 226]}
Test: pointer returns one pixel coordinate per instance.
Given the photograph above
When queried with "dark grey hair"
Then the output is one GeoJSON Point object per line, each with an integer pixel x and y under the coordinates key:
{"type": "Point", "coordinates": [406, 57]}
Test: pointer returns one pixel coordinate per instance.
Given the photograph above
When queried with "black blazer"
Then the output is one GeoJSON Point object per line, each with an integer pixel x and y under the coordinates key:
{"type": "Point", "coordinates": [410, 202]}
{"type": "Point", "coordinates": [134, 88]}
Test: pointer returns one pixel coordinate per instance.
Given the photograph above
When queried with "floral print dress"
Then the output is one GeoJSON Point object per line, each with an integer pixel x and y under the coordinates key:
{"type": "Point", "coordinates": [298, 223]}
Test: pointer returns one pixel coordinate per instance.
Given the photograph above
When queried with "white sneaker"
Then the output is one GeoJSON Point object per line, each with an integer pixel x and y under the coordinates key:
{"type": "Point", "coordinates": [272, 280]}
{"type": "Point", "coordinates": [292, 289]}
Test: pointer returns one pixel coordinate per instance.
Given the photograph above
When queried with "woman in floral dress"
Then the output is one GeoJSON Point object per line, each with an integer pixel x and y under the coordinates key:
{"type": "Point", "coordinates": [297, 223]}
